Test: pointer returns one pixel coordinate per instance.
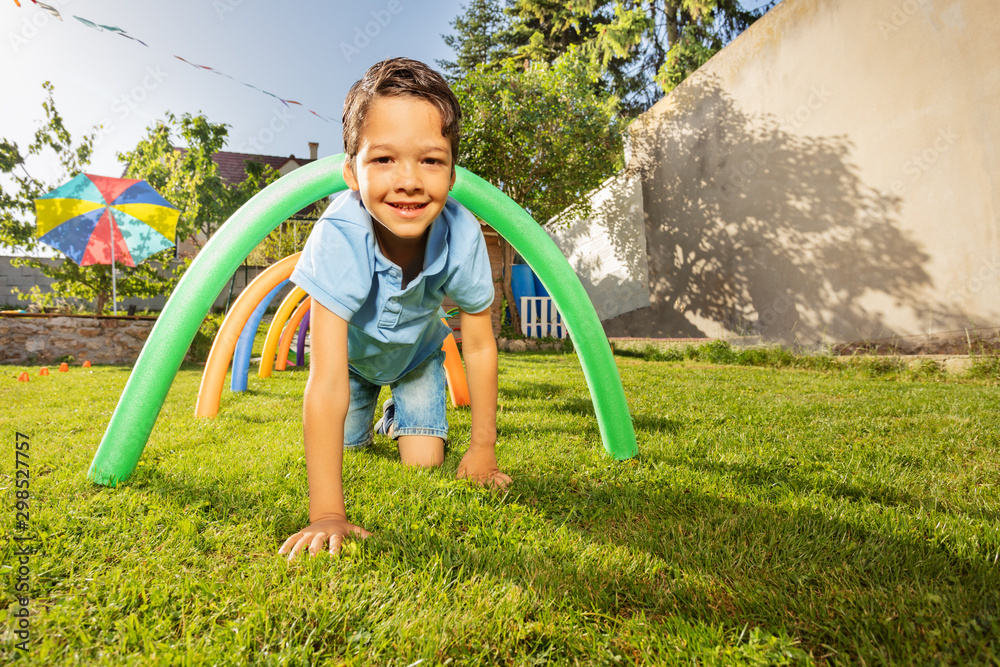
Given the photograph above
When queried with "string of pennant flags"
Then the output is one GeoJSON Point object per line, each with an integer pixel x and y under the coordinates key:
{"type": "Point", "coordinates": [122, 33]}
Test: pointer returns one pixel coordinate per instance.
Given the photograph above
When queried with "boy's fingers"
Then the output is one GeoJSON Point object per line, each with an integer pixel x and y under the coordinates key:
{"type": "Point", "coordinates": [293, 545]}
{"type": "Point", "coordinates": [494, 478]}
{"type": "Point", "coordinates": [297, 548]}
{"type": "Point", "coordinates": [317, 543]}
{"type": "Point", "coordinates": [498, 479]}
{"type": "Point", "coordinates": [288, 544]}
{"type": "Point", "coordinates": [359, 531]}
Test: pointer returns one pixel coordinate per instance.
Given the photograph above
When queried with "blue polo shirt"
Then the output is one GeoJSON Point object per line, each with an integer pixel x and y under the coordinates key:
{"type": "Point", "coordinates": [392, 330]}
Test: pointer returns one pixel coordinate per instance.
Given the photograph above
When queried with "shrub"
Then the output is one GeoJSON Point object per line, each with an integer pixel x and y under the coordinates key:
{"type": "Point", "coordinates": [203, 340]}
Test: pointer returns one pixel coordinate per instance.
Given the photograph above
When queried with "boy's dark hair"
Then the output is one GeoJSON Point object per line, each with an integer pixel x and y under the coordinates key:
{"type": "Point", "coordinates": [399, 77]}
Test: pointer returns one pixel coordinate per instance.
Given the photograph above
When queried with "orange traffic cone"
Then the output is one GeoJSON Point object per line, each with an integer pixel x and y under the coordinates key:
{"type": "Point", "coordinates": [64, 367]}
{"type": "Point", "coordinates": [86, 364]}
{"type": "Point", "coordinates": [43, 371]}
{"type": "Point", "coordinates": [23, 377]}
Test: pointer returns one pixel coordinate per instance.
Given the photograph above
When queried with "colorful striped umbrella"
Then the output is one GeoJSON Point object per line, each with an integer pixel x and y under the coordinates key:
{"type": "Point", "coordinates": [101, 220]}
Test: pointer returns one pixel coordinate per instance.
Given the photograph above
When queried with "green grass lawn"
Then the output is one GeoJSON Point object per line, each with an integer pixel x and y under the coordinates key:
{"type": "Point", "coordinates": [774, 515]}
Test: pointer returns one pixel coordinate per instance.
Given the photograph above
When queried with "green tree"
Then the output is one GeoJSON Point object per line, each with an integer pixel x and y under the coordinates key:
{"type": "Point", "coordinates": [189, 177]}
{"type": "Point", "coordinates": [540, 133]}
{"type": "Point", "coordinates": [53, 152]}
{"type": "Point", "coordinates": [478, 37]}
{"type": "Point", "coordinates": [638, 49]}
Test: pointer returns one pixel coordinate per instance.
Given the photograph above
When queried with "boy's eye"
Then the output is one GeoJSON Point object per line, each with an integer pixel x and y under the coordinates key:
{"type": "Point", "coordinates": [382, 160]}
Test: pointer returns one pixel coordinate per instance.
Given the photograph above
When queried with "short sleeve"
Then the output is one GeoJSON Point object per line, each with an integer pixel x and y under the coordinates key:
{"type": "Point", "coordinates": [470, 285]}
{"type": "Point", "coordinates": [335, 268]}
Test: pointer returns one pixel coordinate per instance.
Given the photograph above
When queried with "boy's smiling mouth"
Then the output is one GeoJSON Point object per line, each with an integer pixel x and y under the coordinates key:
{"type": "Point", "coordinates": [408, 207]}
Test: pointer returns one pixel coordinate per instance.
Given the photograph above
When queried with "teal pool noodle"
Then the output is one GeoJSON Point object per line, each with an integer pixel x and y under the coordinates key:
{"type": "Point", "coordinates": [171, 336]}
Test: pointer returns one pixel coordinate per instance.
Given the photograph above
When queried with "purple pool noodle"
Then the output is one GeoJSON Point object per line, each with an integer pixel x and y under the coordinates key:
{"type": "Point", "coordinates": [300, 345]}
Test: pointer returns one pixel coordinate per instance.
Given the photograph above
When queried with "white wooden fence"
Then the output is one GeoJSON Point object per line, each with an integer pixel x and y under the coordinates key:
{"type": "Point", "coordinates": [539, 318]}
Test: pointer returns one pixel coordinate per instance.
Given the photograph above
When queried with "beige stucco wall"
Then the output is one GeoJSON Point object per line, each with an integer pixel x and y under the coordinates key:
{"type": "Point", "coordinates": [832, 175]}
{"type": "Point", "coordinates": [607, 249]}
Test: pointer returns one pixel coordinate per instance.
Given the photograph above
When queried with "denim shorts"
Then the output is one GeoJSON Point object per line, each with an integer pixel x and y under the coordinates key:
{"type": "Point", "coordinates": [419, 397]}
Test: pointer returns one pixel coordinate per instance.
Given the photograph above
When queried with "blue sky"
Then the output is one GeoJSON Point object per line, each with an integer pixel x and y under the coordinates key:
{"type": "Point", "coordinates": [310, 51]}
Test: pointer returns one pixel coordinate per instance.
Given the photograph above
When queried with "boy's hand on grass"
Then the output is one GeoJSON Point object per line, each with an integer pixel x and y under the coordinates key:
{"type": "Point", "coordinates": [333, 529]}
{"type": "Point", "coordinates": [479, 465]}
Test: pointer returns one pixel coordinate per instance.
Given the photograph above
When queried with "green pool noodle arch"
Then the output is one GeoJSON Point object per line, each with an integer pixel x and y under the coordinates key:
{"type": "Point", "coordinates": [168, 342]}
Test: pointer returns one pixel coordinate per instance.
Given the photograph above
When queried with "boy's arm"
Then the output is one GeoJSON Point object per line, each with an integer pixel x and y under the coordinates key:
{"type": "Point", "coordinates": [327, 397]}
{"type": "Point", "coordinates": [479, 349]}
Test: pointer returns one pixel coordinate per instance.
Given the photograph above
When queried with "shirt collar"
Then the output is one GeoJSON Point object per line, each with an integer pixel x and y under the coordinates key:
{"type": "Point", "coordinates": [437, 241]}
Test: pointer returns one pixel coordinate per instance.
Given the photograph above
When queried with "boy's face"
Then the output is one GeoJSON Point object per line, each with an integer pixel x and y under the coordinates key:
{"type": "Point", "coordinates": [403, 169]}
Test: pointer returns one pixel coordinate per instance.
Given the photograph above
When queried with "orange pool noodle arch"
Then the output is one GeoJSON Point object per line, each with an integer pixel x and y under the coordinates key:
{"type": "Point", "coordinates": [214, 376]}
{"type": "Point", "coordinates": [274, 331]}
{"type": "Point", "coordinates": [454, 372]}
{"type": "Point", "coordinates": [289, 333]}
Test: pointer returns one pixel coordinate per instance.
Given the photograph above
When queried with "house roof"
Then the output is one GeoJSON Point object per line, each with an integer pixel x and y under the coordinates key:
{"type": "Point", "coordinates": [231, 167]}
{"type": "Point", "coordinates": [231, 164]}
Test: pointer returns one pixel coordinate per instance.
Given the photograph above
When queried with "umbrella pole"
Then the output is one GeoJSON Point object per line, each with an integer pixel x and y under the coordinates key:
{"type": "Point", "coordinates": [114, 290]}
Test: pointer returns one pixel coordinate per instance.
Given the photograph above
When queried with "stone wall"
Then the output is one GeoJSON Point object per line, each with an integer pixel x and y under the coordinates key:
{"type": "Point", "coordinates": [41, 339]}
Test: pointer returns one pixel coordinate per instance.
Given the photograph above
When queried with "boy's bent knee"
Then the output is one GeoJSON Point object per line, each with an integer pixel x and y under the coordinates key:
{"type": "Point", "coordinates": [424, 451]}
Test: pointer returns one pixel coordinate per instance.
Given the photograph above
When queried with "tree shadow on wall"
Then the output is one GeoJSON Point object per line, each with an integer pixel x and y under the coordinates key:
{"type": "Point", "coordinates": [607, 247]}
{"type": "Point", "coordinates": [762, 230]}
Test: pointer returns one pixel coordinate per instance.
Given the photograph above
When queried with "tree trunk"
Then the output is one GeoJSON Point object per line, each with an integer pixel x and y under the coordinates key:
{"type": "Point", "coordinates": [673, 27]}
{"type": "Point", "coordinates": [102, 298]}
{"type": "Point", "coordinates": [507, 254]}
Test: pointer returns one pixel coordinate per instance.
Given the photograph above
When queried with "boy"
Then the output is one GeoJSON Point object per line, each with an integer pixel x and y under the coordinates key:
{"type": "Point", "coordinates": [378, 265]}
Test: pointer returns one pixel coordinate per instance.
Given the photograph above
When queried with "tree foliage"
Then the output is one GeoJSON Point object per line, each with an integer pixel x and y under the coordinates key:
{"type": "Point", "coordinates": [479, 37]}
{"type": "Point", "coordinates": [51, 159]}
{"type": "Point", "coordinates": [540, 133]}
{"type": "Point", "coordinates": [639, 49]}
{"type": "Point", "coordinates": [189, 178]}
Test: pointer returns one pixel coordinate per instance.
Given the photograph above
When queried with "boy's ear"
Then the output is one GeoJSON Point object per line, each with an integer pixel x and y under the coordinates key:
{"type": "Point", "coordinates": [351, 179]}
{"type": "Point", "coordinates": [454, 173]}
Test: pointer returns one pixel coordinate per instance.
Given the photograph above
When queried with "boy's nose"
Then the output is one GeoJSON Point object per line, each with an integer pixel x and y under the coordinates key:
{"type": "Point", "coordinates": [407, 178]}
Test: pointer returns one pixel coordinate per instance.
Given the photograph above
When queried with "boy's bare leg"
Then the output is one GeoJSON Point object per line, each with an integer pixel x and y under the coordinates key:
{"type": "Point", "coordinates": [425, 451]}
